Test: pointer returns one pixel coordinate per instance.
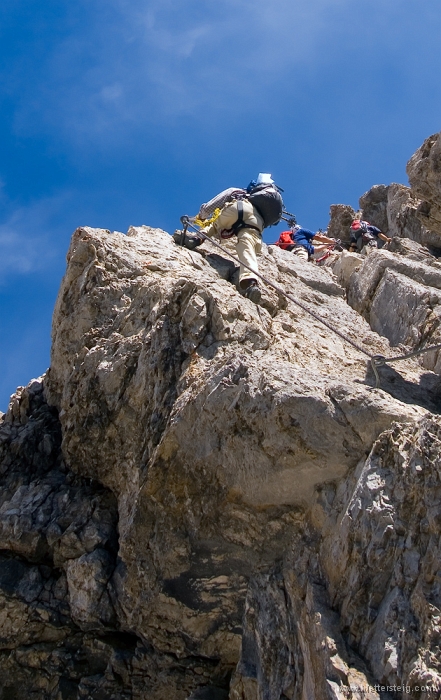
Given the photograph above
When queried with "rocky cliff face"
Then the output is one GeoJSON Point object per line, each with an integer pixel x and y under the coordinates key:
{"type": "Point", "coordinates": [208, 499]}
{"type": "Point", "coordinates": [405, 212]}
{"type": "Point", "coordinates": [424, 173]}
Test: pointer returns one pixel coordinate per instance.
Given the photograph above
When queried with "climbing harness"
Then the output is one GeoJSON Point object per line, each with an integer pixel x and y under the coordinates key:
{"type": "Point", "coordinates": [375, 361]}
{"type": "Point", "coordinates": [327, 253]}
{"type": "Point", "coordinates": [240, 223]}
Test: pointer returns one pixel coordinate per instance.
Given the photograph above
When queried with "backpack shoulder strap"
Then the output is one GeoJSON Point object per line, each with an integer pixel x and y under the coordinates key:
{"type": "Point", "coordinates": [240, 223]}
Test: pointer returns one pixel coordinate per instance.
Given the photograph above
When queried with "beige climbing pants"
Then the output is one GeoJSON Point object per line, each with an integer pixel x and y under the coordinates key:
{"type": "Point", "coordinates": [249, 241]}
{"type": "Point", "coordinates": [248, 246]}
{"type": "Point", "coordinates": [301, 252]}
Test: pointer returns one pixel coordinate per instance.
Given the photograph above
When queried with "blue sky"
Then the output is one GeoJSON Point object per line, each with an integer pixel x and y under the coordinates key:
{"type": "Point", "coordinates": [121, 112]}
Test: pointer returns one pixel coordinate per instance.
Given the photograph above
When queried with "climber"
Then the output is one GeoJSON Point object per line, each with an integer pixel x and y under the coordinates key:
{"type": "Point", "coordinates": [244, 213]}
{"type": "Point", "coordinates": [364, 234]}
{"type": "Point", "coordinates": [302, 242]}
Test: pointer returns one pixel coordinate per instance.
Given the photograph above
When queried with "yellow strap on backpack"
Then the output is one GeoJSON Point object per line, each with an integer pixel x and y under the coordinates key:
{"type": "Point", "coordinates": [202, 223]}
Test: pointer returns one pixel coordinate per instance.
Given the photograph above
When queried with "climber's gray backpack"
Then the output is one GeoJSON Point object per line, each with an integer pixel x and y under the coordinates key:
{"type": "Point", "coordinates": [267, 200]}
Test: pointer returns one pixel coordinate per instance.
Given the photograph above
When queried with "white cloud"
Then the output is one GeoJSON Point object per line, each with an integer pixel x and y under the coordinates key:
{"type": "Point", "coordinates": [111, 93]}
{"type": "Point", "coordinates": [135, 65]}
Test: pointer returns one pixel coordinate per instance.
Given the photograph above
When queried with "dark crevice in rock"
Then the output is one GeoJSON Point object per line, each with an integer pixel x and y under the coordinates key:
{"type": "Point", "coordinates": [427, 393]}
{"type": "Point", "coordinates": [225, 267]}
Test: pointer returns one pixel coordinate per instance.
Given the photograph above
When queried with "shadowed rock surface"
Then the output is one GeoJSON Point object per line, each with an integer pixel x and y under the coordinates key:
{"type": "Point", "coordinates": [341, 218]}
{"type": "Point", "coordinates": [374, 207]}
{"type": "Point", "coordinates": [208, 499]}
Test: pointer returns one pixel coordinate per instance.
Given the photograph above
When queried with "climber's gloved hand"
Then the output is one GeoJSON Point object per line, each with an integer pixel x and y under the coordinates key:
{"type": "Point", "coordinates": [190, 242]}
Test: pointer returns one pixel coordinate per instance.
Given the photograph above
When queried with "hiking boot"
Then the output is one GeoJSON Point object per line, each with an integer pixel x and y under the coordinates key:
{"type": "Point", "coordinates": [253, 293]}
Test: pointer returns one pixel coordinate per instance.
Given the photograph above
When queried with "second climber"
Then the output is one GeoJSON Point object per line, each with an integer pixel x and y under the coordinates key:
{"type": "Point", "coordinates": [303, 242]}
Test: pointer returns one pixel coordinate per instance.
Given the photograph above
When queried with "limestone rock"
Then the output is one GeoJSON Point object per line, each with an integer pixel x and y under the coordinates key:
{"type": "Point", "coordinates": [403, 217]}
{"type": "Point", "coordinates": [412, 250]}
{"type": "Point", "coordinates": [374, 205]}
{"type": "Point", "coordinates": [382, 561]}
{"type": "Point", "coordinates": [87, 579]}
{"type": "Point", "coordinates": [345, 265]}
{"type": "Point", "coordinates": [424, 171]}
{"type": "Point", "coordinates": [398, 211]}
{"type": "Point", "coordinates": [181, 488]}
{"type": "Point", "coordinates": [341, 217]}
{"type": "Point", "coordinates": [401, 299]}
